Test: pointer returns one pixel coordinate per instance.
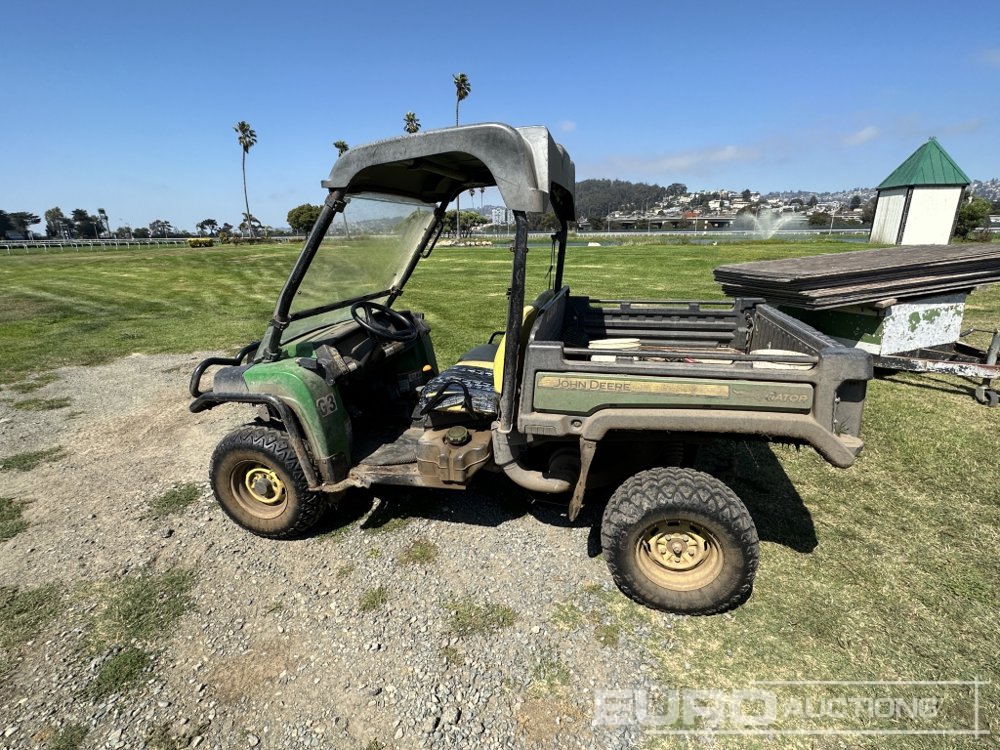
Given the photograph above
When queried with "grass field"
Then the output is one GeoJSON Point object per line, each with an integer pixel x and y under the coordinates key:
{"type": "Point", "coordinates": [886, 571]}
{"type": "Point", "coordinates": [93, 306]}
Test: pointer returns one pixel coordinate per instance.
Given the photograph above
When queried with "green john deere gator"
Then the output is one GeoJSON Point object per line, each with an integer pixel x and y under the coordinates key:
{"type": "Point", "coordinates": [351, 395]}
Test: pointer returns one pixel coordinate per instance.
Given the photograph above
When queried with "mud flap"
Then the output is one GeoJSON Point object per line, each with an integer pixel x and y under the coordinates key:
{"type": "Point", "coordinates": [588, 448]}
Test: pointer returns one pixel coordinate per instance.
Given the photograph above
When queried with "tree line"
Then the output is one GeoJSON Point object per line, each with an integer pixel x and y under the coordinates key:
{"type": "Point", "coordinates": [595, 199]}
{"type": "Point", "coordinates": [80, 224]}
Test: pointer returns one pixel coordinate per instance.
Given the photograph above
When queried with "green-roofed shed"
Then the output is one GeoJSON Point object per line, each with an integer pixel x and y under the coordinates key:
{"type": "Point", "coordinates": [928, 165]}
{"type": "Point", "coordinates": [918, 203]}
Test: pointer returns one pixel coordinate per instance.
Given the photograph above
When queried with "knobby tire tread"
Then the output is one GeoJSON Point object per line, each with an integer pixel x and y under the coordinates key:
{"type": "Point", "coordinates": [275, 442]}
{"type": "Point", "coordinates": [682, 488]}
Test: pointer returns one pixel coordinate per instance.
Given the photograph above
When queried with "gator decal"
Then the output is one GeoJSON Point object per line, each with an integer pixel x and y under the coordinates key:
{"type": "Point", "coordinates": [578, 393]}
{"type": "Point", "coordinates": [672, 388]}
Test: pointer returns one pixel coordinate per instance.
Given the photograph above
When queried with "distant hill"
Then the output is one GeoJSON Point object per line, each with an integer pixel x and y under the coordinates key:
{"type": "Point", "coordinates": [596, 198]}
{"type": "Point", "coordinates": [988, 189]}
{"type": "Point", "coordinates": [824, 196]}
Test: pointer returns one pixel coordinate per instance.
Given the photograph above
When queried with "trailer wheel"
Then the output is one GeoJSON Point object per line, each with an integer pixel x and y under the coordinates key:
{"type": "Point", "coordinates": [259, 483]}
{"type": "Point", "coordinates": [681, 541]}
{"type": "Point", "coordinates": [987, 396]}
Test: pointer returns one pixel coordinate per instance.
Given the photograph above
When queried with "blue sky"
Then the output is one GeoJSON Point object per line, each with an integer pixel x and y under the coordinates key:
{"type": "Point", "coordinates": [130, 107]}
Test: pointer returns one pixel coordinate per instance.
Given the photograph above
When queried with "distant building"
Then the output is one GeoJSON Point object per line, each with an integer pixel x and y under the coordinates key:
{"type": "Point", "coordinates": [501, 215]}
{"type": "Point", "coordinates": [918, 203]}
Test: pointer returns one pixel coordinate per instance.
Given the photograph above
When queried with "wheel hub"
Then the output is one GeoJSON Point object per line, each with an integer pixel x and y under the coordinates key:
{"type": "Point", "coordinates": [679, 555]}
{"type": "Point", "coordinates": [264, 485]}
{"type": "Point", "coordinates": [677, 548]}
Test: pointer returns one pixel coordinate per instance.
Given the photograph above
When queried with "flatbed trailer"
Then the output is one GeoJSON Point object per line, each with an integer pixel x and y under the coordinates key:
{"type": "Point", "coordinates": [956, 358]}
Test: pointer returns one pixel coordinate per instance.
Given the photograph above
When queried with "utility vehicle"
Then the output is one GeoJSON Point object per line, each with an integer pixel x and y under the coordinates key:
{"type": "Point", "coordinates": [569, 391]}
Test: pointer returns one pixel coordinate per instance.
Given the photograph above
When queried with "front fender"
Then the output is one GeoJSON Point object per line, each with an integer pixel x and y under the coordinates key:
{"type": "Point", "coordinates": [317, 406]}
{"type": "Point", "coordinates": [302, 399]}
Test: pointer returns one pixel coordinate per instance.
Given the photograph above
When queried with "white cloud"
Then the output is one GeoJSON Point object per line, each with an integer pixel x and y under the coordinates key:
{"type": "Point", "coordinates": [696, 161]}
{"type": "Point", "coordinates": [914, 126]}
{"type": "Point", "coordinates": [991, 57]}
{"type": "Point", "coordinates": [961, 128]}
{"type": "Point", "coordinates": [567, 126]}
{"type": "Point", "coordinates": [865, 135]}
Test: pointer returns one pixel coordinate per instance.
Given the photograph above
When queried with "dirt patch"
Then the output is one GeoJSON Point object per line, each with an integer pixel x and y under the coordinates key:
{"type": "Point", "coordinates": [274, 649]}
{"type": "Point", "coordinates": [253, 675]}
{"type": "Point", "coordinates": [543, 720]}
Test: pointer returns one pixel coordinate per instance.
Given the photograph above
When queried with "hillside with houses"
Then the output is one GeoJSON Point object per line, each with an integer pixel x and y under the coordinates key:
{"type": "Point", "coordinates": [612, 205]}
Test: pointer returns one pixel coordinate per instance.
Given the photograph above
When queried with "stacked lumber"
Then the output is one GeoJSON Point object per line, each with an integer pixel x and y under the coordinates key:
{"type": "Point", "coordinates": [866, 277]}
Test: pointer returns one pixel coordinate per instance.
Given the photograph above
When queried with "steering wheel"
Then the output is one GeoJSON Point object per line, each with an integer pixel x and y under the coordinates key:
{"type": "Point", "coordinates": [383, 322]}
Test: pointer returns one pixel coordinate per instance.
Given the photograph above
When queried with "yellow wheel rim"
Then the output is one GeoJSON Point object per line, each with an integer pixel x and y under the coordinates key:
{"type": "Point", "coordinates": [264, 486]}
{"type": "Point", "coordinates": [679, 555]}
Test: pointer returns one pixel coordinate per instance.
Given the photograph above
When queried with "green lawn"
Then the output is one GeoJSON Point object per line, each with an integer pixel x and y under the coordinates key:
{"type": "Point", "coordinates": [91, 307]}
{"type": "Point", "coordinates": [886, 571]}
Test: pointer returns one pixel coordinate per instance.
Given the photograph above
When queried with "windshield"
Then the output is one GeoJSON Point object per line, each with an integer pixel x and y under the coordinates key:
{"type": "Point", "coordinates": [365, 251]}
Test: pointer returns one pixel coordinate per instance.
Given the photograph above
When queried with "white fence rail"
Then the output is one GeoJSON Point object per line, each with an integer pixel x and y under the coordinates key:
{"type": "Point", "coordinates": [11, 246]}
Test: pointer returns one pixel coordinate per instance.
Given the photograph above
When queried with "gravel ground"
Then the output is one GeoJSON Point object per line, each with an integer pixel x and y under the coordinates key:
{"type": "Point", "coordinates": [278, 646]}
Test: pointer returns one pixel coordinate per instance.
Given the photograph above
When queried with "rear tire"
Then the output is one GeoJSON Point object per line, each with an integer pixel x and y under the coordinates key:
{"type": "Point", "coordinates": [259, 483]}
{"type": "Point", "coordinates": [681, 541]}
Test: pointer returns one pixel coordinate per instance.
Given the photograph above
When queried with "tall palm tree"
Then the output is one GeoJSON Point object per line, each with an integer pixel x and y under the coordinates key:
{"type": "Point", "coordinates": [462, 89]}
{"type": "Point", "coordinates": [247, 139]}
{"type": "Point", "coordinates": [410, 123]}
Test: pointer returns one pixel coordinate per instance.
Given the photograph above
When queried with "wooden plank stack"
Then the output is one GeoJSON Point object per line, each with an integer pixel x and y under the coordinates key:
{"type": "Point", "coordinates": [822, 282]}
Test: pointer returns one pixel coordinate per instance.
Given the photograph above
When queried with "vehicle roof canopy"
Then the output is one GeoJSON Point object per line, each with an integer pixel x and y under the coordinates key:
{"type": "Point", "coordinates": [529, 168]}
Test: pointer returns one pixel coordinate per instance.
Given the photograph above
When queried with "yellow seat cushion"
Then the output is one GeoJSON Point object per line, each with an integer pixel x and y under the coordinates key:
{"type": "Point", "coordinates": [527, 321]}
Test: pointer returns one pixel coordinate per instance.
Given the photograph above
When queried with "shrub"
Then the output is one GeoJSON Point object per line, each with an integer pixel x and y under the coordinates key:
{"type": "Point", "coordinates": [973, 214]}
{"type": "Point", "coordinates": [200, 242]}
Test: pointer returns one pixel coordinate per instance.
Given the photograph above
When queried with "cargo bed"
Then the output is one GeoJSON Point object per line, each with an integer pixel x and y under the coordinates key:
{"type": "Point", "coordinates": [741, 366]}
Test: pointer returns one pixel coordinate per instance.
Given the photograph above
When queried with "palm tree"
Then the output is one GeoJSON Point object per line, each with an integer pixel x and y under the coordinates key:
{"type": "Point", "coordinates": [462, 89]}
{"type": "Point", "coordinates": [249, 224]}
{"type": "Point", "coordinates": [410, 123]}
{"type": "Point", "coordinates": [247, 139]}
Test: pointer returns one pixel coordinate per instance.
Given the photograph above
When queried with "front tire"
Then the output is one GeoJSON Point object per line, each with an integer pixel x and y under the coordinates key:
{"type": "Point", "coordinates": [681, 541]}
{"type": "Point", "coordinates": [259, 483]}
